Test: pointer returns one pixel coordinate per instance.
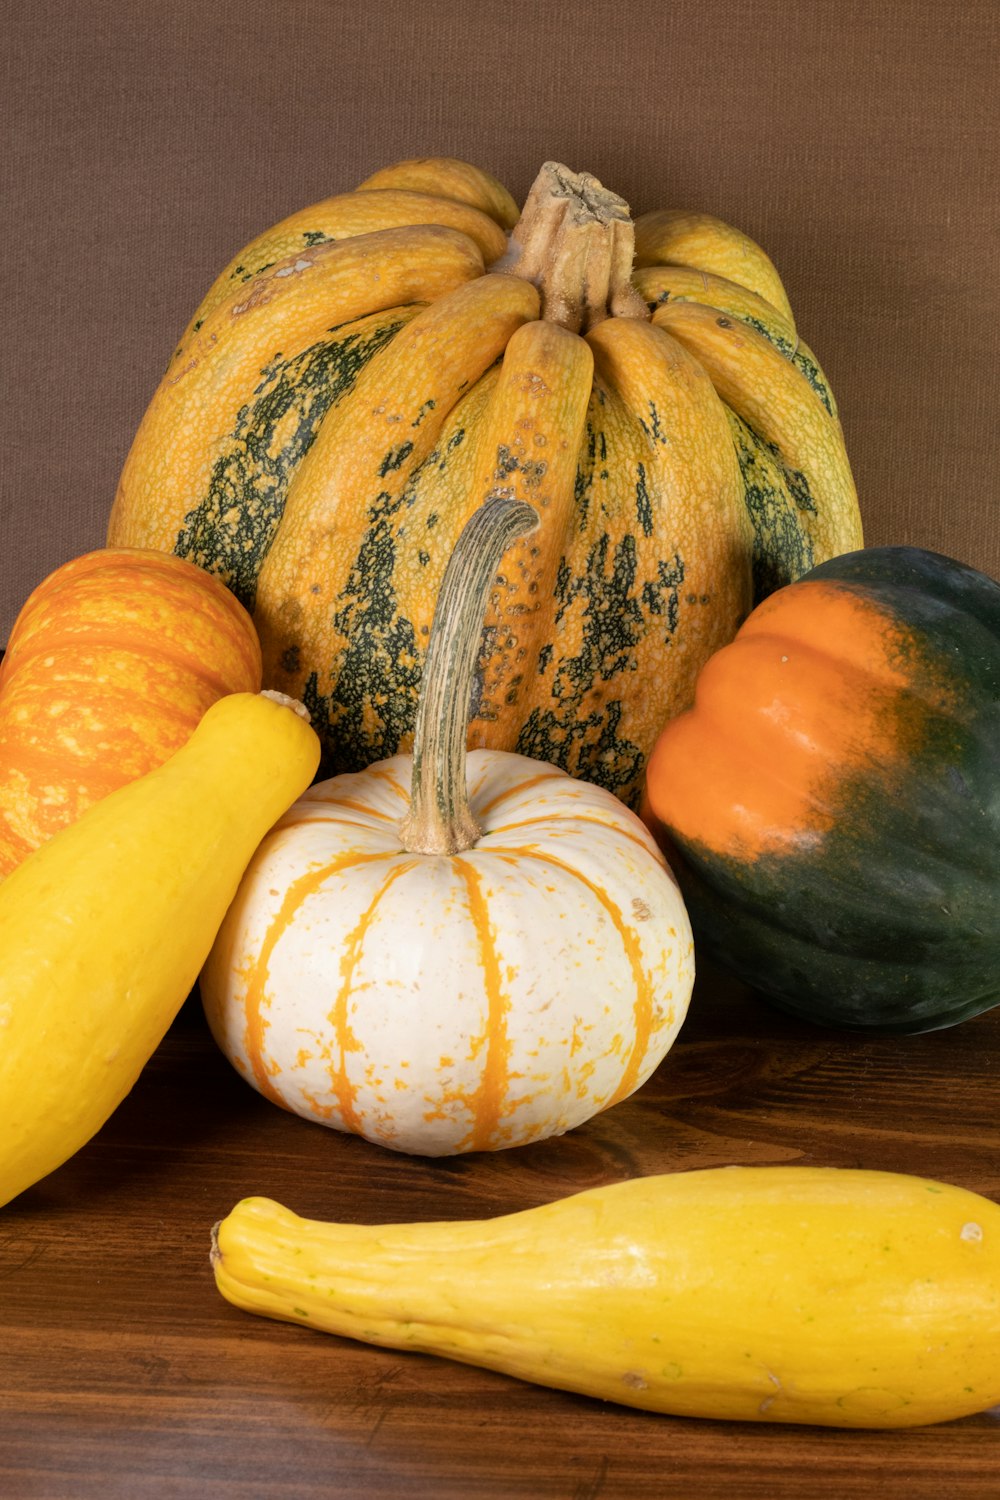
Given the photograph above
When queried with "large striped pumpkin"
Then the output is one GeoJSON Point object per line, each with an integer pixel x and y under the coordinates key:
{"type": "Point", "coordinates": [448, 955]}
{"type": "Point", "coordinates": [362, 376]}
{"type": "Point", "coordinates": [111, 663]}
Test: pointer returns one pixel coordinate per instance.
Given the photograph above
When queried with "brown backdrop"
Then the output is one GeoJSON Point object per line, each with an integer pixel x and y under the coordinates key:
{"type": "Point", "coordinates": [145, 140]}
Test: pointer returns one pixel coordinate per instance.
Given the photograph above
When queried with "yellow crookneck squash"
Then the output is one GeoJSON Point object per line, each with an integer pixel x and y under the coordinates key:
{"type": "Point", "coordinates": [453, 951]}
{"type": "Point", "coordinates": [763, 1294]}
{"type": "Point", "coordinates": [104, 928]}
{"type": "Point", "coordinates": [366, 373]}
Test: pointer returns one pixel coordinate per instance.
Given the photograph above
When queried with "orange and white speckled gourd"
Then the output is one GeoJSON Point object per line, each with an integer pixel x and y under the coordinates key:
{"type": "Point", "coordinates": [488, 964]}
{"type": "Point", "coordinates": [112, 662]}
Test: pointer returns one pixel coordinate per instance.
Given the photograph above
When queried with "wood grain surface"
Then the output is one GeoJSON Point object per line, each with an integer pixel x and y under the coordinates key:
{"type": "Point", "coordinates": [125, 1374]}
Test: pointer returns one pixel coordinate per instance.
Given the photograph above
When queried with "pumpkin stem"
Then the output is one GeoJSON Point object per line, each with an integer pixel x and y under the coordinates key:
{"type": "Point", "coordinates": [440, 819]}
{"type": "Point", "coordinates": [575, 241]}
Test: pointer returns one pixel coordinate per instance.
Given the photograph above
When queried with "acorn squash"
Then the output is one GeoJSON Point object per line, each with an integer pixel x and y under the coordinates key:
{"type": "Point", "coordinates": [831, 803]}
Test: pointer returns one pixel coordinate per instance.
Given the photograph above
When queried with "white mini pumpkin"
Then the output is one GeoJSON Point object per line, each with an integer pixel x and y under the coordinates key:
{"type": "Point", "coordinates": [487, 965]}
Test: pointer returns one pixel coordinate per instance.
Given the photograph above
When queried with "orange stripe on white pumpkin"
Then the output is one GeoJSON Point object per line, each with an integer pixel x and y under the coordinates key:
{"type": "Point", "coordinates": [255, 998]}
{"type": "Point", "coordinates": [557, 814]}
{"type": "Point", "coordinates": [305, 817]}
{"type": "Point", "coordinates": [522, 789]}
{"type": "Point", "coordinates": [344, 1038]}
{"type": "Point", "coordinates": [642, 1015]}
{"type": "Point", "coordinates": [379, 773]}
{"type": "Point", "coordinates": [487, 1103]}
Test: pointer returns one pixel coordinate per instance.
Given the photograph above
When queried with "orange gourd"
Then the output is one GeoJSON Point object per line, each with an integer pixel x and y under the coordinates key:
{"type": "Point", "coordinates": [111, 663]}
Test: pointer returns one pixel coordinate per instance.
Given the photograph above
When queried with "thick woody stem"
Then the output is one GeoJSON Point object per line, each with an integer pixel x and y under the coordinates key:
{"type": "Point", "coordinates": [439, 820]}
{"type": "Point", "coordinates": [575, 241]}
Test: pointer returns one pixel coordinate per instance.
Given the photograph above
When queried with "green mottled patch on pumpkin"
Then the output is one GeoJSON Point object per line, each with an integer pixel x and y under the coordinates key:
{"type": "Point", "coordinates": [661, 595]}
{"type": "Point", "coordinates": [367, 705]}
{"type": "Point", "coordinates": [782, 549]}
{"type": "Point", "coordinates": [589, 747]}
{"type": "Point", "coordinates": [583, 482]}
{"type": "Point", "coordinates": [612, 616]}
{"type": "Point", "coordinates": [644, 509]}
{"type": "Point", "coordinates": [395, 458]}
{"type": "Point", "coordinates": [654, 427]}
{"type": "Point", "coordinates": [614, 605]}
{"type": "Point", "coordinates": [793, 350]}
{"type": "Point", "coordinates": [229, 531]}
{"type": "Point", "coordinates": [797, 354]}
{"type": "Point", "coordinates": [798, 484]}
{"type": "Point", "coordinates": [805, 362]}
{"type": "Point", "coordinates": [372, 705]}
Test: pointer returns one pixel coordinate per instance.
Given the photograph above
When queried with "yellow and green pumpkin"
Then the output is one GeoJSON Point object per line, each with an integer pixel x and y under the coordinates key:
{"type": "Point", "coordinates": [365, 374]}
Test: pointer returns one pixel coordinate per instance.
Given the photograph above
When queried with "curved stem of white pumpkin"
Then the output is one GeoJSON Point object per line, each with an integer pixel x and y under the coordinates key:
{"type": "Point", "coordinates": [440, 819]}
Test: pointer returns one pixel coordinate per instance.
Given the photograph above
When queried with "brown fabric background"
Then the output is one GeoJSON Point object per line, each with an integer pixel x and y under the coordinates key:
{"type": "Point", "coordinates": [144, 141]}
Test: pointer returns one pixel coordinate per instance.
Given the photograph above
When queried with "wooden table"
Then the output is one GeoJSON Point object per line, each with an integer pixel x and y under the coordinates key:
{"type": "Point", "coordinates": [123, 1373]}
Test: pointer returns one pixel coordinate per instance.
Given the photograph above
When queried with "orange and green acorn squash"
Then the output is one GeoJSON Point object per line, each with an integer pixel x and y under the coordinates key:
{"type": "Point", "coordinates": [832, 800]}
{"type": "Point", "coordinates": [365, 374]}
